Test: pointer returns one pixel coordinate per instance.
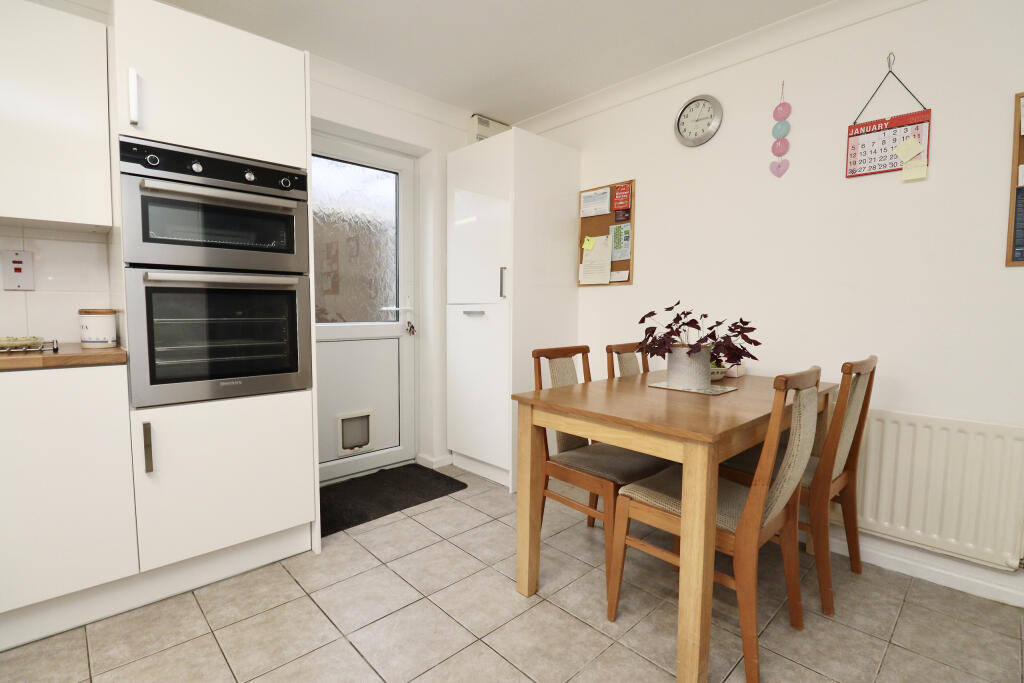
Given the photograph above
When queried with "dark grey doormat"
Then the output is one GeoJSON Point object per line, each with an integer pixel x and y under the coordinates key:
{"type": "Point", "coordinates": [364, 499]}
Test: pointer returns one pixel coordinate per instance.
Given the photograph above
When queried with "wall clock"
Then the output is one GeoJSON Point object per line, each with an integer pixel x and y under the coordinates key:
{"type": "Point", "coordinates": [698, 120]}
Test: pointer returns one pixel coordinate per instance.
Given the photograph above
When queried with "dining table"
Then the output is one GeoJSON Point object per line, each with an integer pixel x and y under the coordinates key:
{"type": "Point", "coordinates": [698, 430]}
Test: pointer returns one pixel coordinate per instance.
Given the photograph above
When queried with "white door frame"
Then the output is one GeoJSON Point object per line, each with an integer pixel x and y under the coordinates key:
{"type": "Point", "coordinates": [342, 149]}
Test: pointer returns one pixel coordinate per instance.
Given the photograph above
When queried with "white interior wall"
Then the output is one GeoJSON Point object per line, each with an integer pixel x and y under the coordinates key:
{"type": "Point", "coordinates": [829, 269]}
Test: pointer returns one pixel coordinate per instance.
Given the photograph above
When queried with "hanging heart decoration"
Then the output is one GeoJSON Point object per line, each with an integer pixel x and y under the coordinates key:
{"type": "Point", "coordinates": [779, 131]}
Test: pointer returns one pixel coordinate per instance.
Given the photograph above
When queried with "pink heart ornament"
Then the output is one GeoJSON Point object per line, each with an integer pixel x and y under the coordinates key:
{"type": "Point", "coordinates": [779, 168]}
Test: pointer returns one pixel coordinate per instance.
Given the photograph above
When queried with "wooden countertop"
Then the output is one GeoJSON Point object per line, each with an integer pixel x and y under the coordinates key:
{"type": "Point", "coordinates": [70, 356]}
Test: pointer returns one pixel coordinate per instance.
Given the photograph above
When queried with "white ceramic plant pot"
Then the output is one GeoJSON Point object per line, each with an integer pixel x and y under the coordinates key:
{"type": "Point", "coordinates": [686, 371]}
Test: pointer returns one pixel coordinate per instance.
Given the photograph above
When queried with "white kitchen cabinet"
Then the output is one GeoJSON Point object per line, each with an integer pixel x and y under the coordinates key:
{"type": "Point", "coordinates": [53, 123]}
{"type": "Point", "coordinates": [512, 255]}
{"type": "Point", "coordinates": [222, 472]}
{"type": "Point", "coordinates": [67, 517]}
{"type": "Point", "coordinates": [199, 83]}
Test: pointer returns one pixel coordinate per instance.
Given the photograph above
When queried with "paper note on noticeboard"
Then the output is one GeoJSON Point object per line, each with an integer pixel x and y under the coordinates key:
{"type": "Point", "coordinates": [596, 202]}
{"type": "Point", "coordinates": [622, 240]}
{"type": "Point", "coordinates": [620, 275]}
{"type": "Point", "coordinates": [597, 263]}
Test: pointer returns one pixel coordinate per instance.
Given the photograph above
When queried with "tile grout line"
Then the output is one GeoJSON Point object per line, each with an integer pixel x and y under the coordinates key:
{"type": "Point", "coordinates": [213, 633]}
{"type": "Point", "coordinates": [341, 635]}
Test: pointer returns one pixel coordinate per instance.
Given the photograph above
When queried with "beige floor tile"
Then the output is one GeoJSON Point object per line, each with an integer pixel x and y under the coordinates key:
{"type": "Point", "coordinates": [451, 518]}
{"type": "Point", "coordinates": [826, 646]}
{"type": "Point", "coordinates": [336, 662]}
{"type": "Point", "coordinates": [355, 602]}
{"type": "Point", "coordinates": [886, 580]}
{"type": "Point", "coordinates": [858, 604]}
{"type": "Point", "coordinates": [959, 644]}
{"type": "Point", "coordinates": [475, 486]}
{"type": "Point", "coordinates": [650, 574]}
{"type": "Point", "coordinates": [988, 613]}
{"type": "Point", "coordinates": [275, 637]}
{"type": "Point", "coordinates": [586, 599]}
{"type": "Point", "coordinates": [619, 663]}
{"type": "Point", "coordinates": [547, 644]}
{"type": "Point", "coordinates": [572, 492]}
{"type": "Point", "coordinates": [398, 539]}
{"type": "Point", "coordinates": [776, 669]}
{"type": "Point", "coordinates": [904, 666]}
{"type": "Point", "coordinates": [483, 602]}
{"type": "Point", "coordinates": [489, 543]}
{"type": "Point", "coordinates": [725, 608]}
{"type": "Point", "coordinates": [474, 664]}
{"type": "Point", "coordinates": [436, 566]}
{"type": "Point", "coordinates": [62, 657]}
{"type": "Point", "coordinates": [195, 660]}
{"type": "Point", "coordinates": [144, 631]}
{"type": "Point", "coordinates": [340, 558]}
{"type": "Point", "coordinates": [242, 596]}
{"type": "Point", "coordinates": [429, 505]}
{"type": "Point", "coordinates": [408, 642]}
{"type": "Point", "coordinates": [655, 638]}
{"type": "Point", "coordinates": [582, 542]}
{"type": "Point", "coordinates": [451, 471]}
{"type": "Point", "coordinates": [376, 523]}
{"type": "Point", "coordinates": [557, 517]}
{"type": "Point", "coordinates": [557, 570]}
{"type": "Point", "coordinates": [494, 503]}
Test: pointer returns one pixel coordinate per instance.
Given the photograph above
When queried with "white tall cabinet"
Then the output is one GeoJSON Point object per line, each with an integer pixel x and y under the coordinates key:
{"type": "Point", "coordinates": [186, 80]}
{"type": "Point", "coordinates": [512, 230]}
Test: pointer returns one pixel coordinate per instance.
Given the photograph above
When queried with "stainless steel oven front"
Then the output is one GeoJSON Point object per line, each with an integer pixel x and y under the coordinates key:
{"type": "Point", "coordinates": [196, 335]}
{"type": "Point", "coordinates": [190, 208]}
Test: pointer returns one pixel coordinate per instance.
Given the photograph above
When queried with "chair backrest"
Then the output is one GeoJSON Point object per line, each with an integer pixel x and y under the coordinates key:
{"type": "Point", "coordinates": [842, 444]}
{"type": "Point", "coordinates": [768, 497]}
{"type": "Point", "coordinates": [562, 368]}
{"type": "Point", "coordinates": [627, 355]}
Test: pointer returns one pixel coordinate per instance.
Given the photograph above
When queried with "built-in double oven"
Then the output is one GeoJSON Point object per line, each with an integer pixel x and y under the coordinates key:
{"type": "Point", "coordinates": [216, 253]}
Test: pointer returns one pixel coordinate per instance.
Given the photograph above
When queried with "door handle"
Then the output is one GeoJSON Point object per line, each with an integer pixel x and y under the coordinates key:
{"type": "Point", "coordinates": [472, 313]}
{"type": "Point", "coordinates": [501, 282]}
{"type": "Point", "coordinates": [258, 201]}
{"type": "Point", "coordinates": [133, 96]}
{"type": "Point", "coordinates": [222, 278]}
{"type": "Point", "coordinates": [147, 445]}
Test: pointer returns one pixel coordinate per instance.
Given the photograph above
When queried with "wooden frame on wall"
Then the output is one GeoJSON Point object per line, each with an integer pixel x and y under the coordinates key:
{"type": "Point", "coordinates": [1015, 229]}
{"type": "Point", "coordinates": [596, 226]}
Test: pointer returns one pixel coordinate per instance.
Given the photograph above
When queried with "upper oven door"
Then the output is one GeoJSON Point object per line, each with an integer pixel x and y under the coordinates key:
{"type": "Point", "coordinates": [194, 335]}
{"type": "Point", "coordinates": [181, 224]}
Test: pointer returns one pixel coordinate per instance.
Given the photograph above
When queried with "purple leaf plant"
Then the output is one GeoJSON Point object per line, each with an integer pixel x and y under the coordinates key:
{"type": "Point", "coordinates": [728, 342]}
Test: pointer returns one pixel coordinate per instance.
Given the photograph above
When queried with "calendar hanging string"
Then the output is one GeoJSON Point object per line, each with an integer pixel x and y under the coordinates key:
{"type": "Point", "coordinates": [890, 60]}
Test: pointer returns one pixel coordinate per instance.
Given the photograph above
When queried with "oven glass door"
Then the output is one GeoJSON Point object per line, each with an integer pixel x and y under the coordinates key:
{"type": "Point", "coordinates": [167, 220]}
{"type": "Point", "coordinates": [210, 334]}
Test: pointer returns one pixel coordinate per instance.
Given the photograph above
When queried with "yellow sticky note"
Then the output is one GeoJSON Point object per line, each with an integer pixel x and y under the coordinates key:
{"type": "Point", "coordinates": [908, 149]}
{"type": "Point", "coordinates": [588, 243]}
{"type": "Point", "coordinates": [915, 170]}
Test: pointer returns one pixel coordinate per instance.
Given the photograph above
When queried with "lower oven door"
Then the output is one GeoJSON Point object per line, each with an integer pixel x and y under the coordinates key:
{"type": "Point", "coordinates": [194, 336]}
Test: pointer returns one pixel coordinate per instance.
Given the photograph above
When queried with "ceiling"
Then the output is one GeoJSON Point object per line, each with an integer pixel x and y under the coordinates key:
{"type": "Point", "coordinates": [508, 59]}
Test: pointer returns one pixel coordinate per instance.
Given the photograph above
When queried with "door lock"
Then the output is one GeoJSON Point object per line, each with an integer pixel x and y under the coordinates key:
{"type": "Point", "coordinates": [410, 328]}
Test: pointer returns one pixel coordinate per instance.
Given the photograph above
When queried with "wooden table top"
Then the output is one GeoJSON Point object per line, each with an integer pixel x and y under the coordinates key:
{"type": "Point", "coordinates": [629, 401]}
{"type": "Point", "coordinates": [70, 356]}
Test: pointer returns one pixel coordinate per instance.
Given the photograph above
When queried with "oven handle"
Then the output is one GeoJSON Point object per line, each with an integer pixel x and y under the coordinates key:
{"type": "Point", "coordinates": [223, 278]}
{"type": "Point", "coordinates": [151, 185]}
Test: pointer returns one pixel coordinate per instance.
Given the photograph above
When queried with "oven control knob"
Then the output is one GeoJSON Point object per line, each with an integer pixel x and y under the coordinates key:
{"type": "Point", "coordinates": [286, 183]}
{"type": "Point", "coordinates": [249, 176]}
{"type": "Point", "coordinates": [152, 159]}
{"type": "Point", "coordinates": [197, 167]}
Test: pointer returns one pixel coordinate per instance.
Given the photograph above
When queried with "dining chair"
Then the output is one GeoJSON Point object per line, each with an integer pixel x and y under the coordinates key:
{"type": "Point", "coordinates": [831, 474]}
{"type": "Point", "coordinates": [747, 516]}
{"type": "Point", "coordinates": [628, 365]}
{"type": "Point", "coordinates": [598, 468]}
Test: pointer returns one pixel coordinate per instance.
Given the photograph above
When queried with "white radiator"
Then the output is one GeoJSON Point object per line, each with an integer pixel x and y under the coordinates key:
{"type": "Point", "coordinates": [952, 486]}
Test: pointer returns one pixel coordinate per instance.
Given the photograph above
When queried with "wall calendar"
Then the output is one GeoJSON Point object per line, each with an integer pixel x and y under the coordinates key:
{"type": "Point", "coordinates": [871, 147]}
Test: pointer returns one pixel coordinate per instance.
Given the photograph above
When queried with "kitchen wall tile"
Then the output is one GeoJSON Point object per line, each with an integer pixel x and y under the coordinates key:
{"type": "Point", "coordinates": [57, 231]}
{"type": "Point", "coordinates": [13, 321]}
{"type": "Point", "coordinates": [54, 315]}
{"type": "Point", "coordinates": [69, 266]}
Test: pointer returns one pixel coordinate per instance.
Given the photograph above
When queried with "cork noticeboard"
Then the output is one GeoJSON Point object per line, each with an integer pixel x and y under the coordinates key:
{"type": "Point", "coordinates": [1015, 228]}
{"type": "Point", "coordinates": [623, 270]}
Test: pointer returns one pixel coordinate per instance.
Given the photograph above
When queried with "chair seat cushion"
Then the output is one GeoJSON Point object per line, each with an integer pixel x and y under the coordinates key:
{"type": "Point", "coordinates": [663, 490]}
{"type": "Point", "coordinates": [747, 462]}
{"type": "Point", "coordinates": [616, 464]}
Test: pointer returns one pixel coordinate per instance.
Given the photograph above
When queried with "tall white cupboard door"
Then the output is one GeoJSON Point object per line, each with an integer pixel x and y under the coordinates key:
{"type": "Point", "coordinates": [188, 80]}
{"type": "Point", "coordinates": [67, 518]}
{"type": "Point", "coordinates": [479, 403]}
{"type": "Point", "coordinates": [53, 116]}
{"type": "Point", "coordinates": [219, 473]}
{"type": "Point", "coordinates": [480, 221]}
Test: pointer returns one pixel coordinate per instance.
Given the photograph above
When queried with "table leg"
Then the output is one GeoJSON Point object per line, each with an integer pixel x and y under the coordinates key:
{"type": "Point", "coordinates": [530, 482]}
{"type": "Point", "coordinates": [696, 561]}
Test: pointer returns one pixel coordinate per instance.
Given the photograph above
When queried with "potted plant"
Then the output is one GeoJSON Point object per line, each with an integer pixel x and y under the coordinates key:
{"type": "Point", "coordinates": [704, 343]}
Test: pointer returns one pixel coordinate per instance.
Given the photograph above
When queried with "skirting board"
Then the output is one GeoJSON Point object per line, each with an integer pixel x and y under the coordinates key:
{"type": "Point", "coordinates": [434, 462]}
{"type": "Point", "coordinates": [495, 474]}
{"type": "Point", "coordinates": [42, 619]}
{"type": "Point", "coordinates": [1005, 587]}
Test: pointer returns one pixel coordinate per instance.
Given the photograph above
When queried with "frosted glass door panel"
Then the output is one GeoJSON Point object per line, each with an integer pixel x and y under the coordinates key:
{"type": "Point", "coordinates": [355, 230]}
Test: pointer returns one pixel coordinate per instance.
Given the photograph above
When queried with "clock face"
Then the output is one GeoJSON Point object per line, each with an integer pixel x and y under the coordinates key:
{"type": "Point", "coordinates": [698, 120]}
